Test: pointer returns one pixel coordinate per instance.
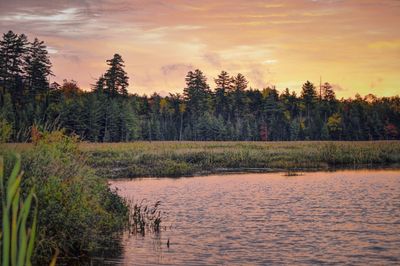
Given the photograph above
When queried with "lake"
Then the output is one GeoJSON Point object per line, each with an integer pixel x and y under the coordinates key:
{"type": "Point", "coordinates": [344, 217]}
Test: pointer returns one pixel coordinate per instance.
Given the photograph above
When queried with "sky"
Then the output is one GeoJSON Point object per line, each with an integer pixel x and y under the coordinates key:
{"type": "Point", "coordinates": [353, 44]}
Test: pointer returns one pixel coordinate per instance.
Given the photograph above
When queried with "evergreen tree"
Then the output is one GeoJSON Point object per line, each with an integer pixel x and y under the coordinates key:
{"type": "Point", "coordinates": [100, 86]}
{"type": "Point", "coordinates": [13, 48]}
{"type": "Point", "coordinates": [128, 122]}
{"type": "Point", "coordinates": [37, 69]}
{"type": "Point", "coordinates": [233, 112]}
{"type": "Point", "coordinates": [327, 92]}
{"type": "Point", "coordinates": [239, 100]}
{"type": "Point", "coordinates": [197, 96]}
{"type": "Point", "coordinates": [224, 85]}
{"type": "Point", "coordinates": [92, 116]}
{"type": "Point", "coordinates": [116, 79]}
{"type": "Point", "coordinates": [309, 97]}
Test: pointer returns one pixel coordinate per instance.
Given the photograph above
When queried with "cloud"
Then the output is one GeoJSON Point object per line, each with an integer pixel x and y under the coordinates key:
{"type": "Point", "coordinates": [337, 87]}
{"type": "Point", "coordinates": [260, 76]}
{"type": "Point", "coordinates": [270, 61]}
{"type": "Point", "coordinates": [283, 42]}
{"type": "Point", "coordinates": [376, 83]}
{"type": "Point", "coordinates": [174, 68]}
{"type": "Point", "coordinates": [386, 45]}
{"type": "Point", "coordinates": [212, 58]}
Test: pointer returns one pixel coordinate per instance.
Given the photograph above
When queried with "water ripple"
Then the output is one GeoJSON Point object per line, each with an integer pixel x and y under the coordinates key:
{"type": "Point", "coordinates": [347, 217]}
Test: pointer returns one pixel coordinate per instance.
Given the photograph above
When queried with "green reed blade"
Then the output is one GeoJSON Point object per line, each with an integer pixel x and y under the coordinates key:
{"type": "Point", "coordinates": [22, 233]}
{"type": "Point", "coordinates": [15, 170]}
{"type": "Point", "coordinates": [14, 227]}
{"type": "Point", "coordinates": [16, 240]}
{"type": "Point", "coordinates": [32, 235]}
{"type": "Point", "coordinates": [6, 234]}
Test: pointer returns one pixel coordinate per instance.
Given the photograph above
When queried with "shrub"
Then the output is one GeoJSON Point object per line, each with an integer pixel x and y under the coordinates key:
{"type": "Point", "coordinates": [5, 130]}
{"type": "Point", "coordinates": [78, 214]}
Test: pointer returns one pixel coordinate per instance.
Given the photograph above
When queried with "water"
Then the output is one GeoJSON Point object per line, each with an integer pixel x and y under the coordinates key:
{"type": "Point", "coordinates": [346, 217]}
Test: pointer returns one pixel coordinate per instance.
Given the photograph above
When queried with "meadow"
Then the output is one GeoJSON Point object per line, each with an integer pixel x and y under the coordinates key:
{"type": "Point", "coordinates": [173, 159]}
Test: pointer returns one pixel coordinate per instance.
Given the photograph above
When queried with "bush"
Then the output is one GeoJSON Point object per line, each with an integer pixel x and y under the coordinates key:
{"type": "Point", "coordinates": [78, 213]}
{"type": "Point", "coordinates": [5, 130]}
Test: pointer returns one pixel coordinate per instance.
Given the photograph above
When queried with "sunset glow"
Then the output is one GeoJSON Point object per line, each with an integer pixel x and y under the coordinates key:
{"type": "Point", "coordinates": [354, 45]}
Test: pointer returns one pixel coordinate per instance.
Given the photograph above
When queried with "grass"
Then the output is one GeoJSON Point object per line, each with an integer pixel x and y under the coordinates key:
{"type": "Point", "coordinates": [168, 158]}
{"type": "Point", "coordinates": [140, 159]}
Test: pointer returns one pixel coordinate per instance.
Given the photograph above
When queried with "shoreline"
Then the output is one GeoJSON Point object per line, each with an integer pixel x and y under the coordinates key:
{"type": "Point", "coordinates": [244, 171]}
{"type": "Point", "coordinates": [188, 158]}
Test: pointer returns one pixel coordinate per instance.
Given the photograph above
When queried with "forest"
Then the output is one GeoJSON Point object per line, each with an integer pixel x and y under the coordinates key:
{"type": "Point", "coordinates": [225, 108]}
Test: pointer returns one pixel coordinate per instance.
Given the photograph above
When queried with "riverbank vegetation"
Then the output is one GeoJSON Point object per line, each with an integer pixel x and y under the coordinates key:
{"type": "Point", "coordinates": [122, 160]}
{"type": "Point", "coordinates": [77, 213]}
{"type": "Point", "coordinates": [222, 109]}
{"type": "Point", "coordinates": [186, 158]}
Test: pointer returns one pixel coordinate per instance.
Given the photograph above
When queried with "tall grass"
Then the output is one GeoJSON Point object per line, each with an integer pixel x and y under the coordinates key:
{"type": "Point", "coordinates": [144, 218]}
{"type": "Point", "coordinates": [18, 232]}
{"type": "Point", "coordinates": [138, 159]}
{"type": "Point", "coordinates": [169, 158]}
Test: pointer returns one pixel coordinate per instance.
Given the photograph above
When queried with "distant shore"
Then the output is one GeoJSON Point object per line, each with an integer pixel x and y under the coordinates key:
{"type": "Point", "coordinates": [174, 159]}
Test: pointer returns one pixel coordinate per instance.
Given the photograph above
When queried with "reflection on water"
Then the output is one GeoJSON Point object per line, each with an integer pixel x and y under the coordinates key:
{"type": "Point", "coordinates": [347, 217]}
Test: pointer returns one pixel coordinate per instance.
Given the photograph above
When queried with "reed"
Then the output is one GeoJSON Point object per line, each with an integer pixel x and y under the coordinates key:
{"type": "Point", "coordinates": [18, 232]}
{"type": "Point", "coordinates": [144, 219]}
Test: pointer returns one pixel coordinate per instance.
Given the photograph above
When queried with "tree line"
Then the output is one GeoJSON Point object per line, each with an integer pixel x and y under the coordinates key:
{"type": "Point", "coordinates": [223, 109]}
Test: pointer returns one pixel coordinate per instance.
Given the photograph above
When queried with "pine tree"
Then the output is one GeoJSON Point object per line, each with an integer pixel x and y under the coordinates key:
{"type": "Point", "coordinates": [224, 85]}
{"type": "Point", "coordinates": [100, 86]}
{"type": "Point", "coordinates": [128, 122]}
{"type": "Point", "coordinates": [13, 48]}
{"type": "Point", "coordinates": [93, 104]}
{"type": "Point", "coordinates": [197, 97]}
{"type": "Point", "coordinates": [328, 93]}
{"type": "Point", "coordinates": [239, 100]}
{"type": "Point", "coordinates": [309, 97]}
{"type": "Point", "coordinates": [240, 83]}
{"type": "Point", "coordinates": [37, 69]}
{"type": "Point", "coordinates": [116, 79]}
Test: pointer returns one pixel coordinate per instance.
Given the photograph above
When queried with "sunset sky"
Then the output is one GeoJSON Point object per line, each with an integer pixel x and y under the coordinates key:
{"type": "Point", "coordinates": [354, 45]}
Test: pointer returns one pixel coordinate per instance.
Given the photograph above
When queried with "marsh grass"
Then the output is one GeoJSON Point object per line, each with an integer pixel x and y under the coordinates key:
{"type": "Point", "coordinates": [144, 218]}
{"type": "Point", "coordinates": [173, 159]}
{"type": "Point", "coordinates": [139, 159]}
